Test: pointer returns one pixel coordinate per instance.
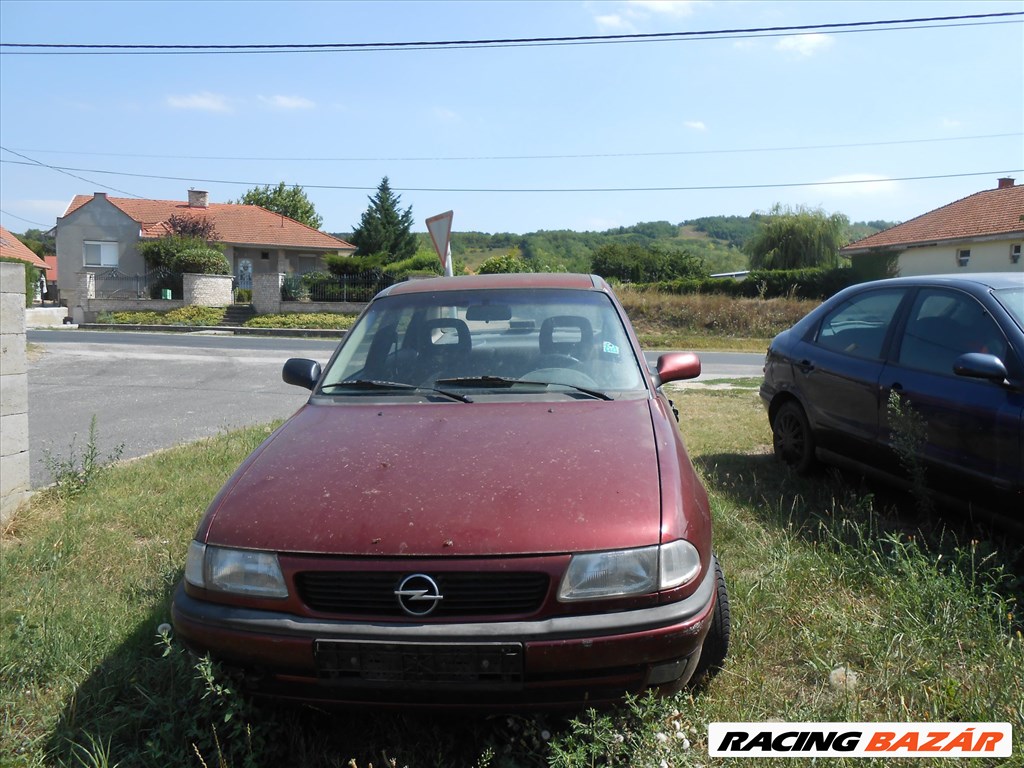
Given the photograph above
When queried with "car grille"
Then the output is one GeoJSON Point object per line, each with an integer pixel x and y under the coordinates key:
{"type": "Point", "coordinates": [465, 594]}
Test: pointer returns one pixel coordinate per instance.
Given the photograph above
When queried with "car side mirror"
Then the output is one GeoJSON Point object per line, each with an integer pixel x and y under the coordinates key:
{"type": "Point", "coordinates": [301, 372]}
{"type": "Point", "coordinates": [677, 366]}
{"type": "Point", "coordinates": [976, 365]}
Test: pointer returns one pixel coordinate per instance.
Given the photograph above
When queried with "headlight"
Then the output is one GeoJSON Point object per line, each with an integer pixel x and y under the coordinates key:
{"type": "Point", "coordinates": [602, 575]}
{"type": "Point", "coordinates": [241, 571]}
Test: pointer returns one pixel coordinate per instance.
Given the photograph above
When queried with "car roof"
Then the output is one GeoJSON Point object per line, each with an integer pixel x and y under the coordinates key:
{"type": "Point", "coordinates": [517, 280]}
{"type": "Point", "coordinates": [986, 279]}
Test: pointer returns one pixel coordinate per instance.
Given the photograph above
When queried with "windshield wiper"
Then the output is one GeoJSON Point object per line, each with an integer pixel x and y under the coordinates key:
{"type": "Point", "coordinates": [393, 385]}
{"type": "Point", "coordinates": [508, 382]}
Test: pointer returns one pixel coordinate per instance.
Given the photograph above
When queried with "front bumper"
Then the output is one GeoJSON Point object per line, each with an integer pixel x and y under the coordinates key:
{"type": "Point", "coordinates": [558, 661]}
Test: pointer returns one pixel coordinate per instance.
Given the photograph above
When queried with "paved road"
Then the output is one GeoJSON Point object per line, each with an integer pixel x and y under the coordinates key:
{"type": "Point", "coordinates": [150, 391]}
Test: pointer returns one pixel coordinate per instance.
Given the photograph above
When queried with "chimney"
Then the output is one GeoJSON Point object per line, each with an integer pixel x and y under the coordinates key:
{"type": "Point", "coordinates": [1005, 183]}
{"type": "Point", "coordinates": [99, 195]}
{"type": "Point", "coordinates": [198, 199]}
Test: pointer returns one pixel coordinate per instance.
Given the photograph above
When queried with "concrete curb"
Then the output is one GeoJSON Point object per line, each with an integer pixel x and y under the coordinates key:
{"type": "Point", "coordinates": [310, 333]}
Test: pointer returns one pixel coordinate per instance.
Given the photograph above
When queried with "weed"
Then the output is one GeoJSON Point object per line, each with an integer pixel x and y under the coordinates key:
{"type": "Point", "coordinates": [73, 474]}
{"type": "Point", "coordinates": [909, 436]}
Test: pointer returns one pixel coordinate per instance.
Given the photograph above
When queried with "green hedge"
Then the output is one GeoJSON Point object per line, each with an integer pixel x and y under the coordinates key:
{"type": "Point", "coordinates": [769, 284]}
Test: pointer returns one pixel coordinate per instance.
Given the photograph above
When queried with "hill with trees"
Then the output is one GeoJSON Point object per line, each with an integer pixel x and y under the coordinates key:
{"type": "Point", "coordinates": [716, 241]}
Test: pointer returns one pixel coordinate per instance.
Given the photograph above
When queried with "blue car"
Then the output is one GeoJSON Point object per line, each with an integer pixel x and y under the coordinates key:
{"type": "Point", "coordinates": [951, 348]}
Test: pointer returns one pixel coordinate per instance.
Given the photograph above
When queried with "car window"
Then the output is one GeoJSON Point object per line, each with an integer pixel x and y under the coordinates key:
{"type": "Point", "coordinates": [570, 337]}
{"type": "Point", "coordinates": [943, 325]}
{"type": "Point", "coordinates": [1012, 300]}
{"type": "Point", "coordinates": [859, 325]}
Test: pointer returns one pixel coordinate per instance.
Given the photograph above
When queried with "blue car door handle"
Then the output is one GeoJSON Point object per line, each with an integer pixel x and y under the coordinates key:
{"type": "Point", "coordinates": [805, 366]}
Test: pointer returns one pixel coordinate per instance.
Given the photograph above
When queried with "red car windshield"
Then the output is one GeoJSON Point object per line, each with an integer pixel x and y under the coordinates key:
{"type": "Point", "coordinates": [486, 340]}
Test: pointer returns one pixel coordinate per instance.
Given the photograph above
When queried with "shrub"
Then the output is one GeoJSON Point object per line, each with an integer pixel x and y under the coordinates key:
{"type": "Point", "coordinates": [766, 284]}
{"type": "Point", "coordinates": [182, 316]}
{"type": "Point", "coordinates": [424, 262]}
{"type": "Point", "coordinates": [636, 263]}
{"type": "Point", "coordinates": [201, 260]}
{"type": "Point", "coordinates": [243, 295]}
{"type": "Point", "coordinates": [319, 320]}
{"type": "Point", "coordinates": [507, 262]}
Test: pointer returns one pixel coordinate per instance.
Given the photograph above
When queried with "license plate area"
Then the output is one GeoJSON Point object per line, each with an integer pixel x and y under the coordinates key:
{"type": "Point", "coordinates": [420, 665]}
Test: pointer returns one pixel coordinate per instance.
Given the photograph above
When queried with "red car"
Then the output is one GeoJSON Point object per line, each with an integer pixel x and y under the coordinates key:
{"type": "Point", "coordinates": [485, 502]}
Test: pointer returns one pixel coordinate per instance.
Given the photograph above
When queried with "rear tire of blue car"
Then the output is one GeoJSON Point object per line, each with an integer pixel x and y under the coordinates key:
{"type": "Point", "coordinates": [792, 438]}
{"type": "Point", "coordinates": [716, 644]}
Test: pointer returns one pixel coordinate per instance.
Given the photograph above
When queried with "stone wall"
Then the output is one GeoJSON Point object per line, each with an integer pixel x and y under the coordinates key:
{"type": "Point", "coordinates": [14, 455]}
{"type": "Point", "coordinates": [266, 293]}
{"type": "Point", "coordinates": [208, 290]}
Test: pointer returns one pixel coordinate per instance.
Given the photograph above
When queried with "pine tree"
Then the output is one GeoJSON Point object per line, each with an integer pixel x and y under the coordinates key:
{"type": "Point", "coordinates": [384, 230]}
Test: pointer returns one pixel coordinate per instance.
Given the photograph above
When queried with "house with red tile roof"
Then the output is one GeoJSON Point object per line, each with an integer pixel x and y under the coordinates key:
{"type": "Point", "coordinates": [12, 248]}
{"type": "Point", "coordinates": [980, 233]}
{"type": "Point", "coordinates": [101, 234]}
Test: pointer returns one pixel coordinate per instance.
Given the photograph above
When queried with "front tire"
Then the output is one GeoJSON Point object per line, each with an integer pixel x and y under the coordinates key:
{"type": "Point", "coordinates": [716, 644]}
{"type": "Point", "coordinates": [792, 438]}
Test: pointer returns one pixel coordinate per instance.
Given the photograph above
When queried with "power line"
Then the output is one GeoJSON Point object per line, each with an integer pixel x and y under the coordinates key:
{"type": "Point", "coordinates": [550, 190]}
{"type": "Point", "coordinates": [838, 27]}
{"type": "Point", "coordinates": [667, 153]}
{"type": "Point", "coordinates": [22, 218]}
{"type": "Point", "coordinates": [65, 171]}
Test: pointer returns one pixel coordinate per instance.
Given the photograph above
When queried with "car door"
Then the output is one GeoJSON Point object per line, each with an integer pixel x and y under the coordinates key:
{"type": "Point", "coordinates": [838, 371]}
{"type": "Point", "coordinates": [973, 426]}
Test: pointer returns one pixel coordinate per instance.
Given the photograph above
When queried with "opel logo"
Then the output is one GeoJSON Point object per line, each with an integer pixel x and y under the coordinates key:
{"type": "Point", "coordinates": [418, 594]}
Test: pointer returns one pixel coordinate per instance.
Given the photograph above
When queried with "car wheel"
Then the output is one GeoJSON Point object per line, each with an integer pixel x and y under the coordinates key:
{"type": "Point", "coordinates": [716, 644]}
{"type": "Point", "coordinates": [792, 438]}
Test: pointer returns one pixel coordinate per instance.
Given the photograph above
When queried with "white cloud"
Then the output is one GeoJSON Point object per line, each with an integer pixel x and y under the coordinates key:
{"type": "Point", "coordinates": [805, 45]}
{"type": "Point", "coordinates": [622, 17]}
{"type": "Point", "coordinates": [287, 102]}
{"type": "Point", "coordinates": [205, 102]}
{"type": "Point", "coordinates": [695, 125]}
{"type": "Point", "coordinates": [612, 21]}
{"type": "Point", "coordinates": [666, 7]}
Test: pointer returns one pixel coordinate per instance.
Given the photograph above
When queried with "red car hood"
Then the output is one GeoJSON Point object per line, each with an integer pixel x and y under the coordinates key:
{"type": "Point", "coordinates": [448, 479]}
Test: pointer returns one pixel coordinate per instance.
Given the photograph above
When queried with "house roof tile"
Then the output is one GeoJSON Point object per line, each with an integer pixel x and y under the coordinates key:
{"type": "Point", "coordinates": [985, 214]}
{"type": "Point", "coordinates": [247, 225]}
{"type": "Point", "coordinates": [12, 248]}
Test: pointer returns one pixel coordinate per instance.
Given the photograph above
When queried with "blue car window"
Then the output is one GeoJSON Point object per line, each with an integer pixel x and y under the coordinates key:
{"type": "Point", "coordinates": [858, 326]}
{"type": "Point", "coordinates": [944, 325]}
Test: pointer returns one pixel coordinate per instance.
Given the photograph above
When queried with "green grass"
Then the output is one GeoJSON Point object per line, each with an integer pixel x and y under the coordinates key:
{"type": "Point", "coordinates": [823, 574]}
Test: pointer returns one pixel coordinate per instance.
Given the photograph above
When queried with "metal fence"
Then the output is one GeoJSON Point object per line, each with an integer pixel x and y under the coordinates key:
{"type": "Point", "coordinates": [324, 287]}
{"type": "Point", "coordinates": [113, 284]}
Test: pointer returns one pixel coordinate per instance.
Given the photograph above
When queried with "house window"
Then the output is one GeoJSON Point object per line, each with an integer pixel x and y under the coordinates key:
{"type": "Point", "coordinates": [265, 255]}
{"type": "Point", "coordinates": [1015, 254]}
{"type": "Point", "coordinates": [963, 256]}
{"type": "Point", "coordinates": [99, 254]}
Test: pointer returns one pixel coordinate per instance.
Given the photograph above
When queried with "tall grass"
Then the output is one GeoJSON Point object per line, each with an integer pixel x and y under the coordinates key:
{"type": "Point", "coordinates": [846, 605]}
{"type": "Point", "coordinates": [668, 320]}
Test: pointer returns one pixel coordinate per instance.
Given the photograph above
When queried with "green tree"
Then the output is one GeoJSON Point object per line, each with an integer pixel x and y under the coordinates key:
{"type": "Point", "coordinates": [507, 262]}
{"type": "Point", "coordinates": [633, 263]}
{"type": "Point", "coordinates": [384, 229]}
{"type": "Point", "coordinates": [797, 239]}
{"type": "Point", "coordinates": [291, 202]}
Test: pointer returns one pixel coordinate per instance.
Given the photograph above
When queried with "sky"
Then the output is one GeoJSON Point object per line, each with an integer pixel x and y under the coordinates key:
{"type": "Point", "coordinates": [878, 122]}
